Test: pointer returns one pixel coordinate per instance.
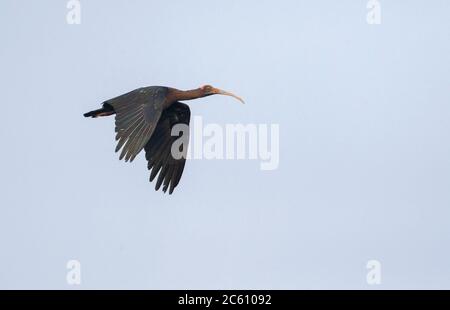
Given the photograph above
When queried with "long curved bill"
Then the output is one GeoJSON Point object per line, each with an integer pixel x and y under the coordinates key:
{"type": "Point", "coordinates": [225, 93]}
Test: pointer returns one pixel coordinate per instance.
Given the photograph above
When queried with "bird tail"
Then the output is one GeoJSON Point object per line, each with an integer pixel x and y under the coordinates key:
{"type": "Point", "coordinates": [105, 111]}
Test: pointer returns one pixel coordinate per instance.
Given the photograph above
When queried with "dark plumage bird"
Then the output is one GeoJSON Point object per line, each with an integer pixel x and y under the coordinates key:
{"type": "Point", "coordinates": [144, 120]}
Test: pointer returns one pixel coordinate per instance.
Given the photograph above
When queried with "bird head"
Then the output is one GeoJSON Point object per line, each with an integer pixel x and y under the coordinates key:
{"type": "Point", "coordinates": [208, 90]}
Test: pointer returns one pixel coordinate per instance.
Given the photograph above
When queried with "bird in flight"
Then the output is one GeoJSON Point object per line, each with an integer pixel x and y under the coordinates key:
{"type": "Point", "coordinates": [144, 120]}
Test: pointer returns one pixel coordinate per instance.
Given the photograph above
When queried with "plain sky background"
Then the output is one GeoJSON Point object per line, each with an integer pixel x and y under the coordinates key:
{"type": "Point", "coordinates": [364, 114]}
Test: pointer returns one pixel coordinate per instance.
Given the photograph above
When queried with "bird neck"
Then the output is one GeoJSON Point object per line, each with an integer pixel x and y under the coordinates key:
{"type": "Point", "coordinates": [186, 94]}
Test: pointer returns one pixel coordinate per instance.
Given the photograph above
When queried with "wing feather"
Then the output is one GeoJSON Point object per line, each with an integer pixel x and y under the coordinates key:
{"type": "Point", "coordinates": [159, 148]}
{"type": "Point", "coordinates": [137, 115]}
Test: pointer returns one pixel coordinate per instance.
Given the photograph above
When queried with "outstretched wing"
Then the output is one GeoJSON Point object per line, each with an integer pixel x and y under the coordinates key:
{"type": "Point", "coordinates": [137, 114]}
{"type": "Point", "coordinates": [165, 153]}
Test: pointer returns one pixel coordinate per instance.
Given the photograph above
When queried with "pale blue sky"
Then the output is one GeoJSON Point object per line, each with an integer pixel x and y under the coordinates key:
{"type": "Point", "coordinates": [364, 145]}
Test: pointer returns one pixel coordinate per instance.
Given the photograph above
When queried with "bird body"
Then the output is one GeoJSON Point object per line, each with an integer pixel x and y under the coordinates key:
{"type": "Point", "coordinates": [144, 120]}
